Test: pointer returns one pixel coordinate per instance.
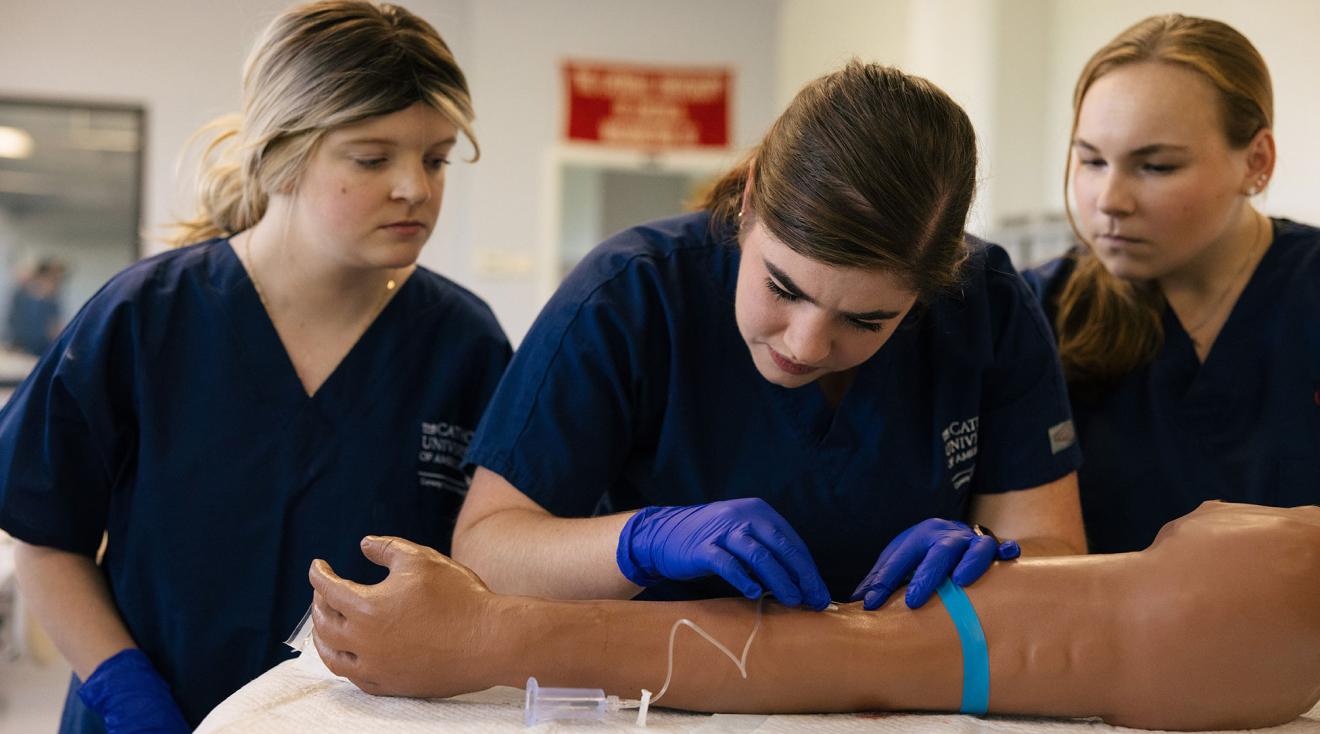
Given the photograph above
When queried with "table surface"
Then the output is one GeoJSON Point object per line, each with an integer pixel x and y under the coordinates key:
{"type": "Point", "coordinates": [303, 695]}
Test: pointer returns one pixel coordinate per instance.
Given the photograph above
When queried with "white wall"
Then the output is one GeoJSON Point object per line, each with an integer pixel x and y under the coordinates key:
{"type": "Point", "coordinates": [514, 68]}
{"type": "Point", "coordinates": [818, 36]}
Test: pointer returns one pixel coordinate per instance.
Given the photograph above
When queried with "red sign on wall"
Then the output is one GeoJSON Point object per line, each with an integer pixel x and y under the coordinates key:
{"type": "Point", "coordinates": [647, 107]}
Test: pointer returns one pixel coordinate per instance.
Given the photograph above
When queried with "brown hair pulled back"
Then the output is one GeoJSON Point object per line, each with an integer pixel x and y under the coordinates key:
{"type": "Point", "coordinates": [316, 67]}
{"type": "Point", "coordinates": [868, 168]}
{"type": "Point", "coordinates": [1107, 326]}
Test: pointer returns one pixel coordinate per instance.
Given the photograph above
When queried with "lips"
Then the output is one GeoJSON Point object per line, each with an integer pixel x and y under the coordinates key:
{"type": "Point", "coordinates": [405, 228]}
{"type": "Point", "coordinates": [788, 365]}
{"type": "Point", "coordinates": [1118, 239]}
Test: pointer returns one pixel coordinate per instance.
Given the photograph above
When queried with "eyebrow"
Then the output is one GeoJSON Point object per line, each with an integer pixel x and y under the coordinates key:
{"type": "Point", "coordinates": [451, 140]}
{"type": "Point", "coordinates": [787, 284]}
{"type": "Point", "coordinates": [1144, 150]}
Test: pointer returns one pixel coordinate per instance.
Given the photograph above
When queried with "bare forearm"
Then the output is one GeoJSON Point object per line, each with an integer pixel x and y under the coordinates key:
{"type": "Point", "coordinates": [536, 554]}
{"type": "Point", "coordinates": [69, 595]}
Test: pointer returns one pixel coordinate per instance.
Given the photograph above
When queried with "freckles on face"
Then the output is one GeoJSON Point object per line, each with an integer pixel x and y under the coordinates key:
{"type": "Point", "coordinates": [802, 319]}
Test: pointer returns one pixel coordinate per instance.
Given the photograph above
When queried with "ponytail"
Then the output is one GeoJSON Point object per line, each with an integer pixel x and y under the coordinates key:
{"type": "Point", "coordinates": [228, 201]}
{"type": "Point", "coordinates": [1107, 326]}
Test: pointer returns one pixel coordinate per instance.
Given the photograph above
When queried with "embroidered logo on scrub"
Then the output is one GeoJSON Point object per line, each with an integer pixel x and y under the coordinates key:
{"type": "Point", "coordinates": [960, 449]}
{"type": "Point", "coordinates": [1062, 436]}
{"type": "Point", "coordinates": [440, 458]}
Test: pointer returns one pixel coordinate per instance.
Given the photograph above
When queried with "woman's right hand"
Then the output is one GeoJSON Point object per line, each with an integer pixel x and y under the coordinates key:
{"type": "Point", "coordinates": [131, 697]}
{"type": "Point", "coordinates": [744, 541]}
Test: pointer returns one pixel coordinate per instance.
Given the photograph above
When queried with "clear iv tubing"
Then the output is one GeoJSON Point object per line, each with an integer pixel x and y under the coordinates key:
{"type": "Point", "coordinates": [741, 663]}
{"type": "Point", "coordinates": [564, 703]}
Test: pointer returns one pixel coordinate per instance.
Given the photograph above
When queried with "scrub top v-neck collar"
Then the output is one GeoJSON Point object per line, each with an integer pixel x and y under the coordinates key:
{"type": "Point", "coordinates": [273, 375]}
{"type": "Point", "coordinates": [1199, 380]}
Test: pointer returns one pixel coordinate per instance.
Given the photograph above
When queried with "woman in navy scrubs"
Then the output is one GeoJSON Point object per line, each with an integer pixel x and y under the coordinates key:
{"type": "Point", "coordinates": [1188, 323]}
{"type": "Point", "coordinates": [760, 396]}
{"type": "Point", "coordinates": [229, 410]}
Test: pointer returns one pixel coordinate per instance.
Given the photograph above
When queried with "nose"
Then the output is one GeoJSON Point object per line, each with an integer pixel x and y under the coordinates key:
{"type": "Point", "coordinates": [413, 185]}
{"type": "Point", "coordinates": [807, 338]}
{"type": "Point", "coordinates": [1115, 196]}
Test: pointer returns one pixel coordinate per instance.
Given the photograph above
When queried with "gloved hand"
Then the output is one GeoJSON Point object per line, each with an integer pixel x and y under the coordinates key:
{"type": "Point", "coordinates": [131, 696]}
{"type": "Point", "coordinates": [932, 547]}
{"type": "Point", "coordinates": [744, 541]}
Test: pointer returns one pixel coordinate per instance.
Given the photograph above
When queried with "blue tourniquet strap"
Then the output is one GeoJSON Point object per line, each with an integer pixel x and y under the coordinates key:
{"type": "Point", "coordinates": [976, 658]}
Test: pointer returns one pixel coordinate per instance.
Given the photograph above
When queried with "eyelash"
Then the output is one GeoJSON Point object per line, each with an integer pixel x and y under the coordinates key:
{"type": "Point", "coordinates": [1147, 167]}
{"type": "Point", "coordinates": [372, 164]}
{"type": "Point", "coordinates": [782, 295]}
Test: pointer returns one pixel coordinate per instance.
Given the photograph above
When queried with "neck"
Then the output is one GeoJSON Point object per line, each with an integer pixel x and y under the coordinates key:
{"type": "Point", "coordinates": [297, 282]}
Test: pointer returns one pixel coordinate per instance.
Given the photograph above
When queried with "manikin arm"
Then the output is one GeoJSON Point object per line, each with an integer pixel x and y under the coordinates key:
{"type": "Point", "coordinates": [1217, 625]}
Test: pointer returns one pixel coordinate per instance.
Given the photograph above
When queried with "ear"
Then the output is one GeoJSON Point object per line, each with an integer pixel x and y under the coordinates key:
{"type": "Point", "coordinates": [1260, 162]}
{"type": "Point", "coordinates": [747, 187]}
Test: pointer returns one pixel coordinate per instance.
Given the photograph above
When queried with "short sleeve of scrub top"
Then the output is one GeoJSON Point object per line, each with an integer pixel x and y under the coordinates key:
{"type": "Point", "coordinates": [634, 387]}
{"type": "Point", "coordinates": [68, 429]}
{"type": "Point", "coordinates": [169, 416]}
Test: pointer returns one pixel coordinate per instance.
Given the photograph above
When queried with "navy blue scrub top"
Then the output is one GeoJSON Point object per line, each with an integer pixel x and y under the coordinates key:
{"type": "Point", "coordinates": [1242, 427]}
{"type": "Point", "coordinates": [634, 388]}
{"type": "Point", "coordinates": [168, 414]}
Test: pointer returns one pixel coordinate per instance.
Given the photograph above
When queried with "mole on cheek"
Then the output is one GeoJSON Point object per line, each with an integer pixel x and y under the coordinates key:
{"type": "Point", "coordinates": [343, 189]}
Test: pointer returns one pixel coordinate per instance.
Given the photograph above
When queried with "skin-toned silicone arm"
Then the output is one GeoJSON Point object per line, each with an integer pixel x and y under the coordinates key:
{"type": "Point", "coordinates": [1217, 625]}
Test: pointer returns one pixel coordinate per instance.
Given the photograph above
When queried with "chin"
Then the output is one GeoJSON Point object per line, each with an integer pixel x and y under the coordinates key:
{"type": "Point", "coordinates": [1129, 269]}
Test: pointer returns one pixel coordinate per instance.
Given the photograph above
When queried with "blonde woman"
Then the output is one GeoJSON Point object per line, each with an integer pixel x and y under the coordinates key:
{"type": "Point", "coordinates": [233, 408]}
{"type": "Point", "coordinates": [1187, 325]}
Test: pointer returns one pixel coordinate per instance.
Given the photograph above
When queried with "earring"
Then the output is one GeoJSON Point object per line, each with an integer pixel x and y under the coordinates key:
{"type": "Point", "coordinates": [1258, 187]}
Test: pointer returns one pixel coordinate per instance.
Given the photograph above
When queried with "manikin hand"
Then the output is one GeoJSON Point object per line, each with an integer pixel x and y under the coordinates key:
{"type": "Point", "coordinates": [417, 633]}
{"type": "Point", "coordinates": [930, 552]}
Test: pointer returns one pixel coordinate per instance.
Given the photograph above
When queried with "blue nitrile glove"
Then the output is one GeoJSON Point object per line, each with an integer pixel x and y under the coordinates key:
{"type": "Point", "coordinates": [131, 696]}
{"type": "Point", "coordinates": [744, 541]}
{"type": "Point", "coordinates": [933, 548]}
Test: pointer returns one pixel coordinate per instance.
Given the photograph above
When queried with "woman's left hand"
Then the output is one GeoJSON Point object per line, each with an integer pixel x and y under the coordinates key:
{"type": "Point", "coordinates": [929, 552]}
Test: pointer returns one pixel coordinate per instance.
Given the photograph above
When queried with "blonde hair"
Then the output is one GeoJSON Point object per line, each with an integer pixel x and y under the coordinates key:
{"type": "Point", "coordinates": [317, 67]}
{"type": "Point", "coordinates": [1107, 326]}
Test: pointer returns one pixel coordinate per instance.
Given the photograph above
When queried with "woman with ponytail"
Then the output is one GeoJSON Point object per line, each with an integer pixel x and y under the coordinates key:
{"type": "Point", "coordinates": [282, 384]}
{"type": "Point", "coordinates": [1187, 323]}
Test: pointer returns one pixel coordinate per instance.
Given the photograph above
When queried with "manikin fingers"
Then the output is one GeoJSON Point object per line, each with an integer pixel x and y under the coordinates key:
{"type": "Point", "coordinates": [340, 662]}
{"type": "Point", "coordinates": [346, 596]}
